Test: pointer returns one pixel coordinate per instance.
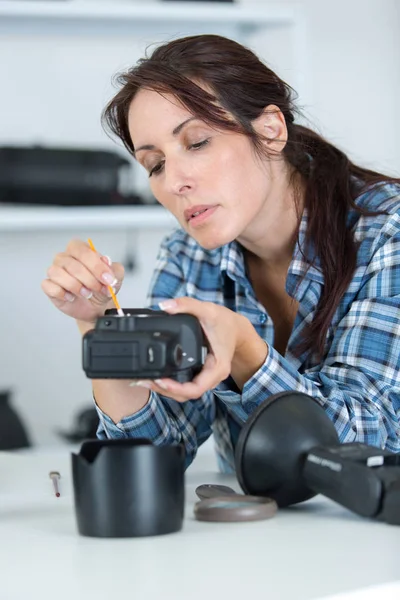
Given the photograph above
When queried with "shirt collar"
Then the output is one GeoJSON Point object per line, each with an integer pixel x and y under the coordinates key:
{"type": "Point", "coordinates": [305, 263]}
{"type": "Point", "coordinates": [232, 261]}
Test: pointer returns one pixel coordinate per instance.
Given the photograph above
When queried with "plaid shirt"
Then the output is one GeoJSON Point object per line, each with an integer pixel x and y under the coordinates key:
{"type": "Point", "coordinates": [358, 380]}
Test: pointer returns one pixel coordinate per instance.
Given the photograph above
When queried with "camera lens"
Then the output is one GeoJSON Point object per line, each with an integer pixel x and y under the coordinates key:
{"type": "Point", "coordinates": [178, 354]}
{"type": "Point", "coordinates": [107, 323]}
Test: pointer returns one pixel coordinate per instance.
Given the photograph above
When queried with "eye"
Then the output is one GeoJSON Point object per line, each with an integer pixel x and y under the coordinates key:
{"type": "Point", "coordinates": [160, 166]}
{"type": "Point", "coordinates": [156, 169]}
{"type": "Point", "coordinates": [198, 145]}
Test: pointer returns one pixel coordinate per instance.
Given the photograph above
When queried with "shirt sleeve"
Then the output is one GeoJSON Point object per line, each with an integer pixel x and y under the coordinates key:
{"type": "Point", "coordinates": [358, 383]}
{"type": "Point", "coordinates": [163, 420]}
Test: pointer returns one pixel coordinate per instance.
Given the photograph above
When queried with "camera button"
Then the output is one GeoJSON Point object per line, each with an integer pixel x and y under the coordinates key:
{"type": "Point", "coordinates": [150, 354]}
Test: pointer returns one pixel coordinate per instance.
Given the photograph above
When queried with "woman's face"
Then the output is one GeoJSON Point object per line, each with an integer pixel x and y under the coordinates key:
{"type": "Point", "coordinates": [210, 180]}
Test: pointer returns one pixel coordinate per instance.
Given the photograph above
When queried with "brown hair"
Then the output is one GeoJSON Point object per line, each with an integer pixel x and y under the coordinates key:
{"type": "Point", "coordinates": [243, 86]}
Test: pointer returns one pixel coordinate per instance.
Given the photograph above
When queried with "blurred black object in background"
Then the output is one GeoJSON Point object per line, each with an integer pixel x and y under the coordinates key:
{"type": "Point", "coordinates": [64, 177]}
{"type": "Point", "coordinates": [13, 434]}
{"type": "Point", "coordinates": [84, 427]}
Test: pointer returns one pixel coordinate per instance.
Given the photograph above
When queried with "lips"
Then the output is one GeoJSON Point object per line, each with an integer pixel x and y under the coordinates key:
{"type": "Point", "coordinates": [194, 211]}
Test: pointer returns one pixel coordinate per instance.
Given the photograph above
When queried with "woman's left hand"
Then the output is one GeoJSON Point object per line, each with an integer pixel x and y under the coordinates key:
{"type": "Point", "coordinates": [232, 340]}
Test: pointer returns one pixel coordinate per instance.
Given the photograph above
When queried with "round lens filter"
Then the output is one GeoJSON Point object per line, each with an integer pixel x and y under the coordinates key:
{"type": "Point", "coordinates": [235, 507]}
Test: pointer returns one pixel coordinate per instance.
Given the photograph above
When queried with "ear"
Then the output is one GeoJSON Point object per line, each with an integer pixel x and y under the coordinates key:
{"type": "Point", "coordinates": [271, 125]}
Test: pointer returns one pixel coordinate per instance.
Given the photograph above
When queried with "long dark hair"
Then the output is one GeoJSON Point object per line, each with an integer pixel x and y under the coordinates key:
{"type": "Point", "coordinates": [242, 85]}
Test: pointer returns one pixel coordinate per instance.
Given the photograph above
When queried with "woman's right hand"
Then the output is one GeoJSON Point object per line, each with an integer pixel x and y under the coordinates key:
{"type": "Point", "coordinates": [77, 282]}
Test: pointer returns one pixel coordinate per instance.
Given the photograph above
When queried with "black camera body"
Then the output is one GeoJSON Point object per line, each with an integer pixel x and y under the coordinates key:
{"type": "Point", "coordinates": [144, 344]}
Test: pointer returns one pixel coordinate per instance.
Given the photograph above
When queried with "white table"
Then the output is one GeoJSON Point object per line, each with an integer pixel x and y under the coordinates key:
{"type": "Point", "coordinates": [313, 551]}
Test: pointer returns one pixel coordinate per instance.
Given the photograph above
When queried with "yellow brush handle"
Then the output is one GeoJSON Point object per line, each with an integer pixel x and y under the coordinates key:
{"type": "Point", "coordinates": [113, 296]}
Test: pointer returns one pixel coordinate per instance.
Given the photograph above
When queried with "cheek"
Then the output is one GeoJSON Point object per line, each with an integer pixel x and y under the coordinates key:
{"type": "Point", "coordinates": [159, 192]}
{"type": "Point", "coordinates": [242, 178]}
{"type": "Point", "coordinates": [169, 201]}
{"type": "Point", "coordinates": [236, 163]}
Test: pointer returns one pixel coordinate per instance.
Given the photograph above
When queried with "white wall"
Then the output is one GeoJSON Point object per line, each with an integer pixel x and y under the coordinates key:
{"type": "Point", "coordinates": [354, 58]}
{"type": "Point", "coordinates": [53, 89]}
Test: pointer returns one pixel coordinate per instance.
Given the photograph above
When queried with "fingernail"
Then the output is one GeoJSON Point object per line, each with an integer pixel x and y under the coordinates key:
{"type": "Point", "coordinates": [68, 296]}
{"type": "Point", "coordinates": [161, 383]}
{"type": "Point", "coordinates": [109, 279]}
{"type": "Point", "coordinates": [108, 260]}
{"type": "Point", "coordinates": [166, 304]}
{"type": "Point", "coordinates": [85, 292]}
{"type": "Point", "coordinates": [145, 384]}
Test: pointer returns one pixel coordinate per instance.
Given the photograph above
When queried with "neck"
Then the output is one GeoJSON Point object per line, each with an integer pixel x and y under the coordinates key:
{"type": "Point", "coordinates": [271, 237]}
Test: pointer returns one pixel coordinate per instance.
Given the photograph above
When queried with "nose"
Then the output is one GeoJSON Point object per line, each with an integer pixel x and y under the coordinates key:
{"type": "Point", "coordinates": [177, 177]}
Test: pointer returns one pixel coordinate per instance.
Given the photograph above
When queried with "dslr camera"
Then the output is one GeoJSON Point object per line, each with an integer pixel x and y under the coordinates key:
{"type": "Point", "coordinates": [145, 344]}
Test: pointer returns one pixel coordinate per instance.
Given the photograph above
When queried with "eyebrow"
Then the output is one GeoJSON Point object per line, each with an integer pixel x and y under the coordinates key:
{"type": "Point", "coordinates": [175, 132]}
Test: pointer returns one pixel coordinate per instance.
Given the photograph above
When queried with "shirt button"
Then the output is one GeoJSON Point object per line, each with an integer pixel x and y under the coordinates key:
{"type": "Point", "coordinates": [262, 317]}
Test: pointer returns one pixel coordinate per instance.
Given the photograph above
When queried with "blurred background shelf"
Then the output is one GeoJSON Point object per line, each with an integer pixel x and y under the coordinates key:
{"type": "Point", "coordinates": [25, 218]}
{"type": "Point", "coordinates": [74, 16]}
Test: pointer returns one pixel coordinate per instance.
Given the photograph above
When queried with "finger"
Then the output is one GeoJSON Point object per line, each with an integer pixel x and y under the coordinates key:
{"type": "Point", "coordinates": [185, 304]}
{"type": "Point", "coordinates": [71, 284]}
{"type": "Point", "coordinates": [91, 260]}
{"type": "Point", "coordinates": [161, 388]}
{"type": "Point", "coordinates": [119, 272]}
{"type": "Point", "coordinates": [56, 292]}
{"type": "Point", "coordinates": [84, 272]}
{"type": "Point", "coordinates": [106, 259]}
{"type": "Point", "coordinates": [78, 271]}
{"type": "Point", "coordinates": [208, 378]}
{"type": "Point", "coordinates": [118, 269]}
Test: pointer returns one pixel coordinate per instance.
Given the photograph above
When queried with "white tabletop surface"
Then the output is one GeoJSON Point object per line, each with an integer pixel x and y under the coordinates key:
{"type": "Point", "coordinates": [317, 550]}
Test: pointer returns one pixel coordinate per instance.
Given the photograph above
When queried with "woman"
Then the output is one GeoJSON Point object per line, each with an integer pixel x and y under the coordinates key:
{"type": "Point", "coordinates": [288, 254]}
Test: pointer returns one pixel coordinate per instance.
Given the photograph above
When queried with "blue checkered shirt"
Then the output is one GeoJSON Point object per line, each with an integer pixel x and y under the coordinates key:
{"type": "Point", "coordinates": [358, 380]}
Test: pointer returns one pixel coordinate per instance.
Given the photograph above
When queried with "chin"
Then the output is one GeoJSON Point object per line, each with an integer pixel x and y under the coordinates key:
{"type": "Point", "coordinates": [212, 242]}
